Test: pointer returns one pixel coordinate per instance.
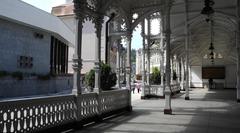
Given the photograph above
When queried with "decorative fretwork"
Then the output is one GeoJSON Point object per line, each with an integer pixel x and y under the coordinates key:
{"type": "Point", "coordinates": [36, 114]}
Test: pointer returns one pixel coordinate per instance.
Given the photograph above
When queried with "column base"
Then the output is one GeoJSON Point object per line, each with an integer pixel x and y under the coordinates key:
{"type": "Point", "coordinates": [129, 108]}
{"type": "Point", "coordinates": [238, 100]}
{"type": "Point", "coordinates": [168, 111]}
{"type": "Point", "coordinates": [76, 92]}
{"type": "Point", "coordinates": [187, 98]}
{"type": "Point", "coordinates": [96, 90]}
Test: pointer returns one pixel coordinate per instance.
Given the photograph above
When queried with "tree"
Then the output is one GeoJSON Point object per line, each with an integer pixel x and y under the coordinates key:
{"type": "Point", "coordinates": [156, 76]}
{"type": "Point", "coordinates": [107, 80]}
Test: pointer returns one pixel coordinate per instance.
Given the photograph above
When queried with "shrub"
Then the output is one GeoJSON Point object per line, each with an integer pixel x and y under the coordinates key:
{"type": "Point", "coordinates": [44, 77]}
{"type": "Point", "coordinates": [90, 78]}
{"type": "Point", "coordinates": [3, 74]}
{"type": "Point", "coordinates": [17, 75]}
{"type": "Point", "coordinates": [155, 76]}
{"type": "Point", "coordinates": [107, 80]}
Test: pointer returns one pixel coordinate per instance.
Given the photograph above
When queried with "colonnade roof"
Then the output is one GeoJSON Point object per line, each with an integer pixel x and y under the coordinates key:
{"type": "Point", "coordinates": [224, 27]}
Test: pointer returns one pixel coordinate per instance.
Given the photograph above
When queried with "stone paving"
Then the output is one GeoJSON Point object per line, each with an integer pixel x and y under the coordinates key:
{"type": "Point", "coordinates": [214, 111]}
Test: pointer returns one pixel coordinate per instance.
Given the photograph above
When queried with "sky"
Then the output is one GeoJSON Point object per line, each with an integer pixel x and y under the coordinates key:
{"type": "Point", "coordinates": [47, 5]}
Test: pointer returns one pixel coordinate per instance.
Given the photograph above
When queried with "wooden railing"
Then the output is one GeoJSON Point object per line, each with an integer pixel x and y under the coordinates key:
{"type": "Point", "coordinates": [37, 114]}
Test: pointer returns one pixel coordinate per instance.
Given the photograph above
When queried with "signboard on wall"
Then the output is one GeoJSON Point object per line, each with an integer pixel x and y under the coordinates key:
{"type": "Point", "coordinates": [213, 72]}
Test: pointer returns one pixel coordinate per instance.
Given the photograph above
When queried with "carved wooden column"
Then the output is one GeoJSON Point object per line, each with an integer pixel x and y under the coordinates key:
{"type": "Point", "coordinates": [143, 60]}
{"type": "Point", "coordinates": [148, 50]}
{"type": "Point", "coordinates": [119, 48]}
{"type": "Point", "coordinates": [77, 57]}
{"type": "Point", "coordinates": [182, 74]}
{"type": "Point", "coordinates": [178, 70]}
{"type": "Point", "coordinates": [162, 53]}
{"type": "Point", "coordinates": [128, 66]}
{"type": "Point", "coordinates": [162, 66]}
{"type": "Point", "coordinates": [187, 51]}
{"type": "Point", "coordinates": [98, 26]}
{"type": "Point", "coordinates": [167, 108]}
{"type": "Point", "coordinates": [238, 74]}
{"type": "Point", "coordinates": [238, 51]}
{"type": "Point", "coordinates": [171, 64]}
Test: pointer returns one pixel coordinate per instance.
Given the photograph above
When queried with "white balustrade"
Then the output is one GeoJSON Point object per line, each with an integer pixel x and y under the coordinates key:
{"type": "Point", "coordinates": [113, 100]}
{"type": "Point", "coordinates": [36, 114]}
{"type": "Point", "coordinates": [158, 90]}
{"type": "Point", "coordinates": [31, 115]}
{"type": "Point", "coordinates": [175, 88]}
{"type": "Point", "coordinates": [154, 90]}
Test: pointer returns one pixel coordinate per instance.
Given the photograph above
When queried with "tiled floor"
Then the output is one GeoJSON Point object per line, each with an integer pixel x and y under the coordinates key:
{"type": "Point", "coordinates": [214, 111]}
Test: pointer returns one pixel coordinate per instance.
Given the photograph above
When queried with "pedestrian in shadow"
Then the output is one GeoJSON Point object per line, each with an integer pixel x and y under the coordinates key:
{"type": "Point", "coordinates": [138, 87]}
{"type": "Point", "coordinates": [210, 81]}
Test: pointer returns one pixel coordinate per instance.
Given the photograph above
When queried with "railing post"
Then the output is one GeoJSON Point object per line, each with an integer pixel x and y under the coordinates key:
{"type": "Point", "coordinates": [99, 108]}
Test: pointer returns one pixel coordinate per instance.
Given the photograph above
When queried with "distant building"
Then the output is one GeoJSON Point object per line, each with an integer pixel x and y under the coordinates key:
{"type": "Point", "coordinates": [33, 44]}
{"type": "Point", "coordinates": [66, 14]}
{"type": "Point", "coordinates": [155, 60]}
{"type": "Point", "coordinates": [32, 40]}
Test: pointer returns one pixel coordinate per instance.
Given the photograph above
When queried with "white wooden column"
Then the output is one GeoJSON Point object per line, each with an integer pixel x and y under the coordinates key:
{"type": "Point", "coordinates": [162, 67]}
{"type": "Point", "coordinates": [148, 51]}
{"type": "Point", "coordinates": [77, 58]}
{"type": "Point", "coordinates": [143, 60]}
{"type": "Point", "coordinates": [238, 51]}
{"type": "Point", "coordinates": [171, 64]}
{"type": "Point", "coordinates": [182, 74]}
{"type": "Point", "coordinates": [187, 50]}
{"type": "Point", "coordinates": [162, 54]}
{"type": "Point", "coordinates": [167, 108]}
{"type": "Point", "coordinates": [238, 74]}
{"type": "Point", "coordinates": [178, 71]}
{"type": "Point", "coordinates": [119, 48]}
{"type": "Point", "coordinates": [98, 26]}
{"type": "Point", "coordinates": [128, 66]}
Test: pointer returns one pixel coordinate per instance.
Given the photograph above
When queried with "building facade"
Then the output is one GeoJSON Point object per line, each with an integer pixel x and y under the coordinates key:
{"type": "Point", "coordinates": [66, 14]}
{"type": "Point", "coordinates": [33, 47]}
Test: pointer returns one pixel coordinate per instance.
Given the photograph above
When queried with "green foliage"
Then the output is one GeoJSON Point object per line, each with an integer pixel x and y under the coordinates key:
{"type": "Point", "coordinates": [44, 77]}
{"type": "Point", "coordinates": [156, 76]}
{"type": "Point", "coordinates": [17, 75]}
{"type": "Point", "coordinates": [108, 78]}
{"type": "Point", "coordinates": [90, 78]}
{"type": "Point", "coordinates": [3, 74]}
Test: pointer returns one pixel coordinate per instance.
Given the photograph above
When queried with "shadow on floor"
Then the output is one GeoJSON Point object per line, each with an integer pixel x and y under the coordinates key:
{"type": "Point", "coordinates": [213, 111]}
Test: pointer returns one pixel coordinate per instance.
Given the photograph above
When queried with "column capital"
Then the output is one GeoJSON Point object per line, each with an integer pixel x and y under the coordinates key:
{"type": "Point", "coordinates": [128, 70]}
{"type": "Point", "coordinates": [79, 6]}
{"type": "Point", "coordinates": [98, 21]}
{"type": "Point", "coordinates": [77, 64]}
